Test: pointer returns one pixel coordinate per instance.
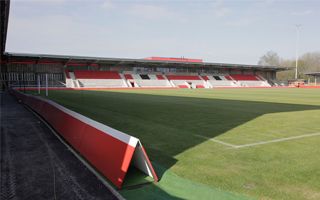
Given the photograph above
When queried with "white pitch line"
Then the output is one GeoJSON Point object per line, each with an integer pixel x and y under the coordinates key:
{"type": "Point", "coordinates": [217, 141]}
{"type": "Point", "coordinates": [277, 140]}
{"type": "Point", "coordinates": [260, 143]}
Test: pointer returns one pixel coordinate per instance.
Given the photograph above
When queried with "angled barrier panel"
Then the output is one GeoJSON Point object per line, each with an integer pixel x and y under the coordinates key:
{"type": "Point", "coordinates": [110, 151]}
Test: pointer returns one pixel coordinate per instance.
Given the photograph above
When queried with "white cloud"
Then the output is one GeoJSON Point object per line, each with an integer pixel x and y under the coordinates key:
{"type": "Point", "coordinates": [41, 1]}
{"type": "Point", "coordinates": [241, 22]}
{"type": "Point", "coordinates": [150, 11]}
{"type": "Point", "coordinates": [302, 13]}
{"type": "Point", "coordinates": [108, 4]}
{"type": "Point", "coordinates": [220, 10]}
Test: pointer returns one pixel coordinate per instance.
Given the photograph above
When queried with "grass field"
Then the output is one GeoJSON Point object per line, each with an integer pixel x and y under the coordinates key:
{"type": "Point", "coordinates": [217, 144]}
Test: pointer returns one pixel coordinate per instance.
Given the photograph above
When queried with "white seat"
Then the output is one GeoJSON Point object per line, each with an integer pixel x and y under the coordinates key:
{"type": "Point", "coordinates": [222, 83]}
{"type": "Point", "coordinates": [103, 83]}
{"type": "Point", "coordinates": [153, 83]}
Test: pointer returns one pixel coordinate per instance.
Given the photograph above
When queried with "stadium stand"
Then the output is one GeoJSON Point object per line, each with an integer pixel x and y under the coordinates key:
{"type": "Point", "coordinates": [185, 77]}
{"type": "Point", "coordinates": [153, 83]}
{"type": "Point", "coordinates": [219, 81]}
{"type": "Point", "coordinates": [250, 80]}
{"type": "Point", "coordinates": [160, 77]}
{"type": "Point", "coordinates": [83, 74]}
{"type": "Point", "coordinates": [187, 81]}
{"type": "Point", "coordinates": [242, 77]}
{"type": "Point", "coordinates": [97, 79]}
{"type": "Point", "coordinates": [128, 76]}
{"type": "Point", "coordinates": [222, 83]}
{"type": "Point", "coordinates": [112, 79]}
{"type": "Point", "coordinates": [147, 80]}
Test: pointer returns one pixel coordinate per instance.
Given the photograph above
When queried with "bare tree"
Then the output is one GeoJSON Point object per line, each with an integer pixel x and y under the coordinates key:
{"type": "Point", "coordinates": [270, 58]}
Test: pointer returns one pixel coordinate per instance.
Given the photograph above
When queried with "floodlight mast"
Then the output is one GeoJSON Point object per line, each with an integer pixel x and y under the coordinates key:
{"type": "Point", "coordinates": [297, 48]}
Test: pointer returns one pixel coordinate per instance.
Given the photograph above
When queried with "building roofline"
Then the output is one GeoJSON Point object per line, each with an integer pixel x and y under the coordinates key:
{"type": "Point", "coordinates": [313, 74]}
{"type": "Point", "coordinates": [130, 61]}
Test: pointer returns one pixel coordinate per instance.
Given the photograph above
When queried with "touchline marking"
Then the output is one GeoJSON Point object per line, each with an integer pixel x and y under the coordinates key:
{"type": "Point", "coordinates": [260, 143]}
{"type": "Point", "coordinates": [217, 141]}
{"type": "Point", "coordinates": [277, 140]}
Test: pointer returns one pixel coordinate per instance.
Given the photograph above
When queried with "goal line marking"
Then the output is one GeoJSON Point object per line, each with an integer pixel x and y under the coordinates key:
{"type": "Point", "coordinates": [261, 142]}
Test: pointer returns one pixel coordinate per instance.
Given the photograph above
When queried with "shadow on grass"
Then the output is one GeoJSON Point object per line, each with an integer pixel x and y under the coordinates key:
{"type": "Point", "coordinates": [166, 124]}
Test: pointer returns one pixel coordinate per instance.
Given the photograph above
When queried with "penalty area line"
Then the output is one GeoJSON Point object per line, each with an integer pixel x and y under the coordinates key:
{"type": "Point", "coordinates": [261, 142]}
{"type": "Point", "coordinates": [278, 140]}
{"type": "Point", "coordinates": [217, 141]}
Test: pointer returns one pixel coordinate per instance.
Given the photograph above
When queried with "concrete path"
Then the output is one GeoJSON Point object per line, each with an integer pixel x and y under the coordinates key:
{"type": "Point", "coordinates": [35, 164]}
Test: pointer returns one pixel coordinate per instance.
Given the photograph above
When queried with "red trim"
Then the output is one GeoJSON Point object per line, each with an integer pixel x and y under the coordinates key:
{"type": "Point", "coordinates": [174, 59]}
{"type": "Point", "coordinates": [185, 77]}
{"type": "Point", "coordinates": [82, 64]}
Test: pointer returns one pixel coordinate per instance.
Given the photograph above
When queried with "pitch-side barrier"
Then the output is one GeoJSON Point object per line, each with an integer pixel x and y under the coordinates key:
{"type": "Point", "coordinates": [108, 150]}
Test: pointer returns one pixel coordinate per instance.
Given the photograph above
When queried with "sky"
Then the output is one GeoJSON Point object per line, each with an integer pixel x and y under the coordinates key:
{"type": "Point", "coordinates": [233, 31]}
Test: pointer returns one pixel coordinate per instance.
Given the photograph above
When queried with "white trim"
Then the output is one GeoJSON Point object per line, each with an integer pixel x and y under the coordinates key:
{"type": "Point", "coordinates": [140, 161]}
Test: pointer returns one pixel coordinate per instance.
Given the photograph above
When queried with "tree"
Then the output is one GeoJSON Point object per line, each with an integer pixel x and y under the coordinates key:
{"type": "Point", "coordinates": [308, 62]}
{"type": "Point", "coordinates": [270, 58]}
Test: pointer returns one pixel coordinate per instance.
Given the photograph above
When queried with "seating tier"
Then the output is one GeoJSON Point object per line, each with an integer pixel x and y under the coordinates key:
{"type": "Point", "coordinates": [84, 74]}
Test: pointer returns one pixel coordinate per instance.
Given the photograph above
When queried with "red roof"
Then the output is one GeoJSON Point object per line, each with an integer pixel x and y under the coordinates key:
{"type": "Point", "coordinates": [174, 59]}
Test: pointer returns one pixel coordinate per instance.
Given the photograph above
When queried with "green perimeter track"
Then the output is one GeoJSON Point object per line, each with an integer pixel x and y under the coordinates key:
{"type": "Point", "coordinates": [177, 127]}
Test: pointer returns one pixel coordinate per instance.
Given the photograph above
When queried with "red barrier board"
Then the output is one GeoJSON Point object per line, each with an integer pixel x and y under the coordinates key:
{"type": "Point", "coordinates": [110, 151]}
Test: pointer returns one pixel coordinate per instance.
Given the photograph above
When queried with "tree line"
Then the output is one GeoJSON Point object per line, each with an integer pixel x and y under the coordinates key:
{"type": "Point", "coordinates": [308, 62]}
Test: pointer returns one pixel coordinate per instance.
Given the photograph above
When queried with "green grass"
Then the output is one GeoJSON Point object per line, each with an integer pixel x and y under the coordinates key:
{"type": "Point", "coordinates": [192, 167]}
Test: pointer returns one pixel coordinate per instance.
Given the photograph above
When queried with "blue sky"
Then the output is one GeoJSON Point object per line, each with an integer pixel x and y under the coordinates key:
{"type": "Point", "coordinates": [216, 31]}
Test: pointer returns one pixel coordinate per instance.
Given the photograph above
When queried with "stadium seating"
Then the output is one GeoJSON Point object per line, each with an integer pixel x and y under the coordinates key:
{"type": "Point", "coordinates": [111, 79]}
{"type": "Point", "coordinates": [179, 77]}
{"type": "Point", "coordinates": [205, 78]}
{"type": "Point", "coordinates": [83, 74]}
{"type": "Point", "coordinates": [187, 81]}
{"type": "Point", "coordinates": [183, 86]}
{"type": "Point", "coordinates": [98, 79]}
{"type": "Point", "coordinates": [160, 77]}
{"type": "Point", "coordinates": [250, 80]}
{"type": "Point", "coordinates": [216, 80]}
{"type": "Point", "coordinates": [242, 77]}
{"type": "Point", "coordinates": [222, 83]}
{"type": "Point", "coordinates": [254, 84]}
{"type": "Point", "coordinates": [153, 83]}
{"type": "Point", "coordinates": [200, 86]}
{"type": "Point", "coordinates": [101, 83]}
{"type": "Point", "coordinates": [128, 76]}
{"type": "Point", "coordinates": [147, 80]}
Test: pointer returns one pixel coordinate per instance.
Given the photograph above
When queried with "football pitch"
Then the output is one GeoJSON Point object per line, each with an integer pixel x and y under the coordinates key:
{"type": "Point", "coordinates": [215, 144]}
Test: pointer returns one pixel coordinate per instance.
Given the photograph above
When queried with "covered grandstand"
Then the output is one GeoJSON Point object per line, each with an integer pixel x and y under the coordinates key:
{"type": "Point", "coordinates": [30, 70]}
{"type": "Point", "coordinates": [156, 72]}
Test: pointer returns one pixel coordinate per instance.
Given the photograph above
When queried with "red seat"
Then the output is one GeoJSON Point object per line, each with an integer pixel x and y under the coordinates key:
{"type": "Point", "coordinates": [160, 77]}
{"type": "Point", "coordinates": [128, 76]}
{"type": "Point", "coordinates": [67, 73]}
{"type": "Point", "coordinates": [244, 77]}
{"type": "Point", "coordinates": [84, 74]}
{"type": "Point", "coordinates": [178, 77]}
{"type": "Point", "coordinates": [205, 78]}
{"type": "Point", "coordinates": [182, 86]}
{"type": "Point", "coordinates": [199, 86]}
